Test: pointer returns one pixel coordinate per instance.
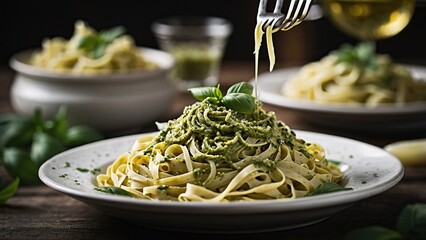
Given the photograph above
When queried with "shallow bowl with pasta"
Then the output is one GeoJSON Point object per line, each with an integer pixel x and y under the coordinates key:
{"type": "Point", "coordinates": [367, 169]}
{"type": "Point", "coordinates": [111, 102]}
{"type": "Point", "coordinates": [385, 117]}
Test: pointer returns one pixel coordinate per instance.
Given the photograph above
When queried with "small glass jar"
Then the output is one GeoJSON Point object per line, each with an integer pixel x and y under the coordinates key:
{"type": "Point", "coordinates": [197, 44]}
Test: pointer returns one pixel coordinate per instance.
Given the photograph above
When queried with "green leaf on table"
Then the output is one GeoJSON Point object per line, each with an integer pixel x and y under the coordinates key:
{"type": "Point", "coordinates": [328, 187]}
{"type": "Point", "coordinates": [7, 118]}
{"type": "Point", "coordinates": [9, 191]}
{"type": "Point", "coordinates": [373, 233]}
{"type": "Point", "coordinates": [44, 147]}
{"type": "Point", "coordinates": [114, 190]}
{"type": "Point", "coordinates": [58, 126]}
{"type": "Point", "coordinates": [241, 87]}
{"type": "Point", "coordinates": [411, 222]}
{"type": "Point", "coordinates": [18, 164]}
{"type": "Point", "coordinates": [17, 133]}
{"type": "Point", "coordinates": [81, 134]}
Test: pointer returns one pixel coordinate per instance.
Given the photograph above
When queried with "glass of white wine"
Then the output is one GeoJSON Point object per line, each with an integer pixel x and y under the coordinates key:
{"type": "Point", "coordinates": [369, 20]}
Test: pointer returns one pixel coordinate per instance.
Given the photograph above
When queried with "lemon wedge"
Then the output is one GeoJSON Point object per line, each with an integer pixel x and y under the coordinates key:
{"type": "Point", "coordinates": [409, 152]}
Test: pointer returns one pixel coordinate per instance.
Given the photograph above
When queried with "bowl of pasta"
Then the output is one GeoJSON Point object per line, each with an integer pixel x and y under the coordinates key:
{"type": "Point", "coordinates": [103, 78]}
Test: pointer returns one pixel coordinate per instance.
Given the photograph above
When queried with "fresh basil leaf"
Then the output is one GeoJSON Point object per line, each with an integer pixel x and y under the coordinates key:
{"type": "Point", "coordinates": [7, 118]}
{"type": "Point", "coordinates": [80, 134]}
{"type": "Point", "coordinates": [240, 102]}
{"type": "Point", "coordinates": [99, 50]}
{"type": "Point", "coordinates": [58, 125]}
{"type": "Point", "coordinates": [201, 93]}
{"type": "Point", "coordinates": [96, 43]}
{"type": "Point", "coordinates": [17, 133]}
{"type": "Point", "coordinates": [218, 93]}
{"type": "Point", "coordinates": [363, 55]}
{"type": "Point", "coordinates": [328, 187]}
{"type": "Point", "coordinates": [241, 87]}
{"type": "Point", "coordinates": [44, 147]}
{"type": "Point", "coordinates": [114, 190]}
{"type": "Point", "coordinates": [9, 190]}
{"type": "Point", "coordinates": [88, 42]}
{"type": "Point", "coordinates": [111, 34]}
{"type": "Point", "coordinates": [18, 164]}
{"type": "Point", "coordinates": [411, 222]}
{"type": "Point", "coordinates": [373, 233]}
{"type": "Point", "coordinates": [38, 120]}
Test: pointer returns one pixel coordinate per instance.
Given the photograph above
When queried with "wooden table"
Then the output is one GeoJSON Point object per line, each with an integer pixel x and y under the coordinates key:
{"type": "Point", "coordinates": [42, 213]}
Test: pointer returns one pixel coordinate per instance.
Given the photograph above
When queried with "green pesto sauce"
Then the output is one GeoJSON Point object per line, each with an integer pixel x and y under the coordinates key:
{"type": "Point", "coordinates": [220, 133]}
{"type": "Point", "coordinates": [266, 164]}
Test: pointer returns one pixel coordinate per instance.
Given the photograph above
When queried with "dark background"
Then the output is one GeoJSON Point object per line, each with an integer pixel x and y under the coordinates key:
{"type": "Point", "coordinates": [24, 24]}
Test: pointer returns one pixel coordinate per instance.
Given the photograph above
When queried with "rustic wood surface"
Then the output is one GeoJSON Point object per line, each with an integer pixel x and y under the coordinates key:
{"type": "Point", "coordinates": [38, 212]}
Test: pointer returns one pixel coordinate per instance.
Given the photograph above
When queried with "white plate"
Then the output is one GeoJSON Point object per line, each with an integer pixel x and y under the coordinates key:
{"type": "Point", "coordinates": [410, 116]}
{"type": "Point", "coordinates": [369, 170]}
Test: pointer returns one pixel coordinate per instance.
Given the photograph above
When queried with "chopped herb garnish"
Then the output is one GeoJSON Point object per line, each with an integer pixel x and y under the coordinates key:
{"type": "Point", "coordinates": [95, 171]}
{"type": "Point", "coordinates": [82, 169]}
{"type": "Point", "coordinates": [63, 175]}
{"type": "Point", "coordinates": [67, 165]}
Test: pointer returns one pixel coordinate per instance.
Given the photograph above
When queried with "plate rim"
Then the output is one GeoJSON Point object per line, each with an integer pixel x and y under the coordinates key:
{"type": "Point", "coordinates": [263, 206]}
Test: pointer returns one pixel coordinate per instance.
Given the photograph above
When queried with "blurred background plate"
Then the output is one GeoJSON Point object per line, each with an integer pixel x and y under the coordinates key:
{"type": "Point", "coordinates": [386, 117]}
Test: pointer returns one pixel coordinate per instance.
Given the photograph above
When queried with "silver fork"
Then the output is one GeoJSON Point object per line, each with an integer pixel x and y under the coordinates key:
{"type": "Point", "coordinates": [296, 13]}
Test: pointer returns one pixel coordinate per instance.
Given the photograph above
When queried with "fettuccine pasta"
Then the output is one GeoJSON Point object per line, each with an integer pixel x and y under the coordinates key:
{"type": "Point", "coordinates": [61, 55]}
{"type": "Point", "coordinates": [332, 81]}
{"type": "Point", "coordinates": [215, 154]}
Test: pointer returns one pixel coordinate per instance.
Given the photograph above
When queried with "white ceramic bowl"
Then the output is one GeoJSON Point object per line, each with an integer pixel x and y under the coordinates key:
{"type": "Point", "coordinates": [109, 102]}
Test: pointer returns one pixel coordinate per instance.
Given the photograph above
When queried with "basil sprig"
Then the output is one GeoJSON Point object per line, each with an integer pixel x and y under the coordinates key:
{"type": "Point", "coordinates": [362, 55]}
{"type": "Point", "coordinates": [238, 97]}
{"type": "Point", "coordinates": [96, 43]}
{"type": "Point", "coordinates": [411, 224]}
